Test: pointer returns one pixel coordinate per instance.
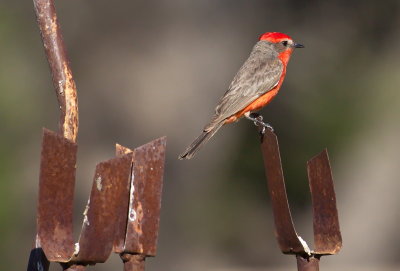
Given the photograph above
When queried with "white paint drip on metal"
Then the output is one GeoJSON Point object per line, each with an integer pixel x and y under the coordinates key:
{"type": "Point", "coordinates": [132, 212]}
{"type": "Point", "coordinates": [85, 217]}
{"type": "Point", "coordinates": [305, 246]}
{"type": "Point", "coordinates": [98, 183]}
{"type": "Point", "coordinates": [60, 86]}
{"type": "Point", "coordinates": [76, 251]}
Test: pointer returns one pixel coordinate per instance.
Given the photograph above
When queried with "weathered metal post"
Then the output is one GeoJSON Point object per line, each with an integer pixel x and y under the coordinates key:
{"type": "Point", "coordinates": [307, 264]}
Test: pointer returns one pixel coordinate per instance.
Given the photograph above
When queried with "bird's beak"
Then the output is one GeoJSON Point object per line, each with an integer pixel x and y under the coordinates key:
{"type": "Point", "coordinates": [298, 45]}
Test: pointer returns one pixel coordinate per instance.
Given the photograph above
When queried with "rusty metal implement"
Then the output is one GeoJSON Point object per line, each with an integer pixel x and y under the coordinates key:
{"type": "Point", "coordinates": [285, 232]}
{"type": "Point", "coordinates": [122, 212]}
{"type": "Point", "coordinates": [145, 198]}
{"type": "Point", "coordinates": [56, 187]}
{"type": "Point", "coordinates": [137, 238]}
{"type": "Point", "coordinates": [124, 206]}
{"type": "Point", "coordinates": [56, 192]}
{"type": "Point", "coordinates": [100, 216]}
{"type": "Point", "coordinates": [327, 236]}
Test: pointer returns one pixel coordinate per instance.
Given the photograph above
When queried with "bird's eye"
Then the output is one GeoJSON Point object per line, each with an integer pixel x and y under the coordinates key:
{"type": "Point", "coordinates": [285, 43]}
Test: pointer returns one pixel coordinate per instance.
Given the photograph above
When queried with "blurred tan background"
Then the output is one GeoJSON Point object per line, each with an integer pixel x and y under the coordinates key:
{"type": "Point", "coordinates": [145, 69]}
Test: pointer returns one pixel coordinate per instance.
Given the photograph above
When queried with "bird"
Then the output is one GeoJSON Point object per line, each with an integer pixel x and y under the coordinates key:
{"type": "Point", "coordinates": [256, 83]}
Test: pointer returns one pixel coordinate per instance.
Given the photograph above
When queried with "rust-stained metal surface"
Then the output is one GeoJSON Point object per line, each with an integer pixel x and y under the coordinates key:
{"type": "Point", "coordinates": [284, 228]}
{"type": "Point", "coordinates": [123, 205]}
{"type": "Point", "coordinates": [63, 81]}
{"type": "Point", "coordinates": [307, 264]}
{"type": "Point", "coordinates": [56, 191]}
{"type": "Point", "coordinates": [145, 198]}
{"type": "Point", "coordinates": [99, 223]}
{"type": "Point", "coordinates": [327, 237]}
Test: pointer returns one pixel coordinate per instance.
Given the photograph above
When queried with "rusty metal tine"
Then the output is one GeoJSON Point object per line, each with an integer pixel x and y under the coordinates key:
{"type": "Point", "coordinates": [56, 54]}
{"type": "Point", "coordinates": [285, 232]}
{"type": "Point", "coordinates": [56, 191]}
{"type": "Point", "coordinates": [327, 236]}
{"type": "Point", "coordinates": [145, 198]}
{"type": "Point", "coordinates": [99, 225]}
{"type": "Point", "coordinates": [123, 206]}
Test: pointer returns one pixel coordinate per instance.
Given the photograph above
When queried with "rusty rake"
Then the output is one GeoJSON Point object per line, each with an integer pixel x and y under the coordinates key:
{"type": "Point", "coordinates": [327, 236]}
{"type": "Point", "coordinates": [122, 213]}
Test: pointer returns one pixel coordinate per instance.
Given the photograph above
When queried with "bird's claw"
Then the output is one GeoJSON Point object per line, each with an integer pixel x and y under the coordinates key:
{"type": "Point", "coordinates": [263, 125]}
{"type": "Point", "coordinates": [258, 121]}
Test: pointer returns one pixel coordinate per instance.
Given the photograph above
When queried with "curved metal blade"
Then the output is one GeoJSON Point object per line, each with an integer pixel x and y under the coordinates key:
{"type": "Point", "coordinates": [99, 225]}
{"type": "Point", "coordinates": [145, 198]}
{"type": "Point", "coordinates": [56, 192]}
{"type": "Point", "coordinates": [123, 206]}
{"type": "Point", "coordinates": [286, 235]}
{"type": "Point", "coordinates": [327, 236]}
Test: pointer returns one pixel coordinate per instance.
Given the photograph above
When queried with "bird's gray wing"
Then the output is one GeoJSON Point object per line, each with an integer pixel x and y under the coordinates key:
{"type": "Point", "coordinates": [257, 76]}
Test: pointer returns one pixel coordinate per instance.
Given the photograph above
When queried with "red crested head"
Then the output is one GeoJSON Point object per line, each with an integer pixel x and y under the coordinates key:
{"type": "Point", "coordinates": [274, 37]}
{"type": "Point", "coordinates": [282, 43]}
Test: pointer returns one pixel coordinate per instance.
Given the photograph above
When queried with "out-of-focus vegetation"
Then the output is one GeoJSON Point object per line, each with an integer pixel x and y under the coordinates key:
{"type": "Point", "coordinates": [150, 68]}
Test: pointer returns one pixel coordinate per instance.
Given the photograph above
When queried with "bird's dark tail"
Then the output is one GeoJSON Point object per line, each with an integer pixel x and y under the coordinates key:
{"type": "Point", "coordinates": [200, 141]}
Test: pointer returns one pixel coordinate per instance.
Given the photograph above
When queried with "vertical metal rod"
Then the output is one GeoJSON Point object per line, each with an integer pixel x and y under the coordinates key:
{"type": "Point", "coordinates": [307, 264]}
{"type": "Point", "coordinates": [63, 81]}
{"type": "Point", "coordinates": [133, 262]}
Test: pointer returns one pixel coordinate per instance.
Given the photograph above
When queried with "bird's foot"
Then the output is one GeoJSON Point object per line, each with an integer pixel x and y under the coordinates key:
{"type": "Point", "coordinates": [258, 121]}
